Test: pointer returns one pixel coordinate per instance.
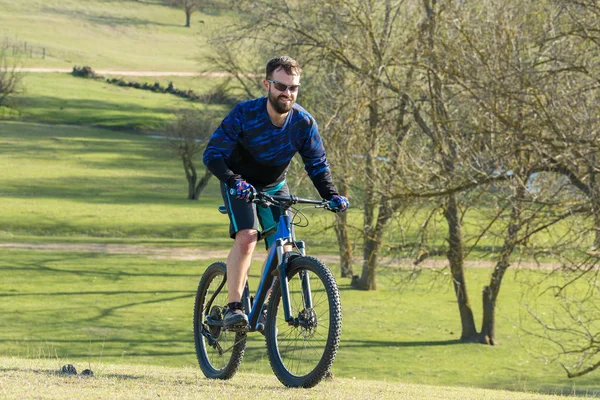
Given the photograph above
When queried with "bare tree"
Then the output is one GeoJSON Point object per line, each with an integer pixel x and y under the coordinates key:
{"type": "Point", "coordinates": [187, 136]}
{"type": "Point", "coordinates": [534, 87]}
{"type": "Point", "coordinates": [10, 78]}
{"type": "Point", "coordinates": [245, 72]}
{"type": "Point", "coordinates": [189, 7]}
{"type": "Point", "coordinates": [570, 171]}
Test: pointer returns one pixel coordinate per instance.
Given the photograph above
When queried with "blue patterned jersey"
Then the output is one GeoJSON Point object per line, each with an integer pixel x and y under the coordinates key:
{"type": "Point", "coordinates": [248, 146]}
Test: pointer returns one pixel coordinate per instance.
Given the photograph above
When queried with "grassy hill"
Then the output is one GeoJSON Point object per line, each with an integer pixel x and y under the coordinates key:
{"type": "Point", "coordinates": [60, 98]}
{"type": "Point", "coordinates": [22, 378]}
{"type": "Point", "coordinates": [141, 35]}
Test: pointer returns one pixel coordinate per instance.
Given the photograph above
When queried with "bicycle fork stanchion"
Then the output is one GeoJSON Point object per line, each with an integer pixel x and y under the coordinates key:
{"type": "Point", "coordinates": [304, 276]}
{"type": "Point", "coordinates": [306, 293]}
{"type": "Point", "coordinates": [283, 282]}
{"type": "Point", "coordinates": [285, 294]}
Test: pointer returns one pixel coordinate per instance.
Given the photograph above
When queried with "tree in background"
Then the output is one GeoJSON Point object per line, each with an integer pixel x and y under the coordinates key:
{"type": "Point", "coordinates": [570, 114]}
{"type": "Point", "coordinates": [10, 78]}
{"type": "Point", "coordinates": [188, 6]}
{"type": "Point", "coordinates": [187, 136]}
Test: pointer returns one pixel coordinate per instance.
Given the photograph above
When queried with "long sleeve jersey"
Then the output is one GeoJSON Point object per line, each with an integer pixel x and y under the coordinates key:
{"type": "Point", "coordinates": [248, 146]}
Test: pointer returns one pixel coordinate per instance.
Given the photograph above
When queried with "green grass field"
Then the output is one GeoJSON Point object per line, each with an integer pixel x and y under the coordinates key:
{"type": "Point", "coordinates": [138, 35]}
{"type": "Point", "coordinates": [73, 173]}
{"type": "Point", "coordinates": [95, 308]}
{"type": "Point", "coordinates": [63, 99]}
{"type": "Point", "coordinates": [78, 185]}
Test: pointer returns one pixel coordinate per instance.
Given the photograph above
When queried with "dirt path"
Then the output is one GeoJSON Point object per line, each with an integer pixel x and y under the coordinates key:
{"type": "Point", "coordinates": [190, 254]}
{"type": "Point", "coordinates": [128, 73]}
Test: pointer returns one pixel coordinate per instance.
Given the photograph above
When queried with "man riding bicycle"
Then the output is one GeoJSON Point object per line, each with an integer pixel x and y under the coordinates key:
{"type": "Point", "coordinates": [252, 149]}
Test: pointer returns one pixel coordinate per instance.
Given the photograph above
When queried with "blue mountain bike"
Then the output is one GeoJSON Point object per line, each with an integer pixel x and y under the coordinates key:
{"type": "Point", "coordinates": [303, 320]}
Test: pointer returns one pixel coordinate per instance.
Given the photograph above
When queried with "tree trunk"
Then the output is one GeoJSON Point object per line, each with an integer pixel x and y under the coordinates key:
{"type": "Point", "coordinates": [490, 292]}
{"type": "Point", "coordinates": [490, 296]}
{"type": "Point", "coordinates": [188, 17]}
{"type": "Point", "coordinates": [488, 325]}
{"type": "Point", "coordinates": [202, 184]}
{"type": "Point", "coordinates": [595, 201]}
{"type": "Point", "coordinates": [191, 176]}
{"type": "Point", "coordinates": [371, 246]}
{"type": "Point", "coordinates": [596, 211]}
{"type": "Point", "coordinates": [341, 231]}
{"type": "Point", "coordinates": [455, 258]}
{"type": "Point", "coordinates": [367, 280]}
{"type": "Point", "coordinates": [344, 245]}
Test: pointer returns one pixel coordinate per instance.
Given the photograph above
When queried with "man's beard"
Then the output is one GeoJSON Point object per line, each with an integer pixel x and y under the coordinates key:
{"type": "Point", "coordinates": [280, 107]}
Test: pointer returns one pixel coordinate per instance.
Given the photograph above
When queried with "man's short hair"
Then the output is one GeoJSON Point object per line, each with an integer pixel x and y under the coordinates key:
{"type": "Point", "coordinates": [289, 65]}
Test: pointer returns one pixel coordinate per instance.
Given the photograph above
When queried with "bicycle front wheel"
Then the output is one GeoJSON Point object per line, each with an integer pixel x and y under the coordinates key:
{"type": "Point", "coordinates": [219, 351]}
{"type": "Point", "coordinates": [302, 351]}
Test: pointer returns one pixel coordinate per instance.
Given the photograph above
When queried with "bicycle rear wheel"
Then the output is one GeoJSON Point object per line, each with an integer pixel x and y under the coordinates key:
{"type": "Point", "coordinates": [219, 351]}
{"type": "Point", "coordinates": [301, 353]}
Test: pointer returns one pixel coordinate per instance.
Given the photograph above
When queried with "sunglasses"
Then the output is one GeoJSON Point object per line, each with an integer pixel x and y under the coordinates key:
{"type": "Point", "coordinates": [283, 87]}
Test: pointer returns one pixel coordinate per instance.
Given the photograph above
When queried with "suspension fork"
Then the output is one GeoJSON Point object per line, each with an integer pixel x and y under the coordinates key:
{"type": "Point", "coordinates": [304, 276]}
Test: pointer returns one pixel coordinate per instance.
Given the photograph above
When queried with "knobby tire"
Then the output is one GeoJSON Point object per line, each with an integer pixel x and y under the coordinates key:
{"type": "Point", "coordinates": [301, 356]}
{"type": "Point", "coordinates": [231, 344]}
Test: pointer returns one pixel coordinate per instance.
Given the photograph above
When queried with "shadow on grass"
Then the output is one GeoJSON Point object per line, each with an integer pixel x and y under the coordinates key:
{"type": "Point", "coordinates": [392, 344]}
{"type": "Point", "coordinates": [109, 190]}
{"type": "Point", "coordinates": [55, 103]}
{"type": "Point", "coordinates": [59, 228]}
{"type": "Point", "coordinates": [92, 112]}
{"type": "Point", "coordinates": [103, 293]}
{"type": "Point", "coordinates": [109, 20]}
{"type": "Point", "coordinates": [39, 266]}
{"type": "Point", "coordinates": [95, 341]}
{"type": "Point", "coordinates": [100, 150]}
{"type": "Point", "coordinates": [106, 312]}
{"type": "Point", "coordinates": [99, 153]}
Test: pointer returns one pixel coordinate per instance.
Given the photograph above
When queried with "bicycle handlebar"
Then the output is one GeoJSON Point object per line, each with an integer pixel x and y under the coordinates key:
{"type": "Point", "coordinates": [264, 198]}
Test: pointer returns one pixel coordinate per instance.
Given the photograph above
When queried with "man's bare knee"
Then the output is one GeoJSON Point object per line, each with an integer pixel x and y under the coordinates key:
{"type": "Point", "coordinates": [245, 240]}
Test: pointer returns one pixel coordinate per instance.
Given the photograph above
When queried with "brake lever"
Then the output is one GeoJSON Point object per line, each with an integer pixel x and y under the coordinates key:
{"type": "Point", "coordinates": [263, 198]}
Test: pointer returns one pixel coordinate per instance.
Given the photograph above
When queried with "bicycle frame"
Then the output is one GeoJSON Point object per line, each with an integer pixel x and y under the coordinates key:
{"type": "Point", "coordinates": [276, 265]}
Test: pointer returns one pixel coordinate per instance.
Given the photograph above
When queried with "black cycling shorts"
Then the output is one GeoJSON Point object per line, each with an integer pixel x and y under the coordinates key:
{"type": "Point", "coordinates": [244, 215]}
